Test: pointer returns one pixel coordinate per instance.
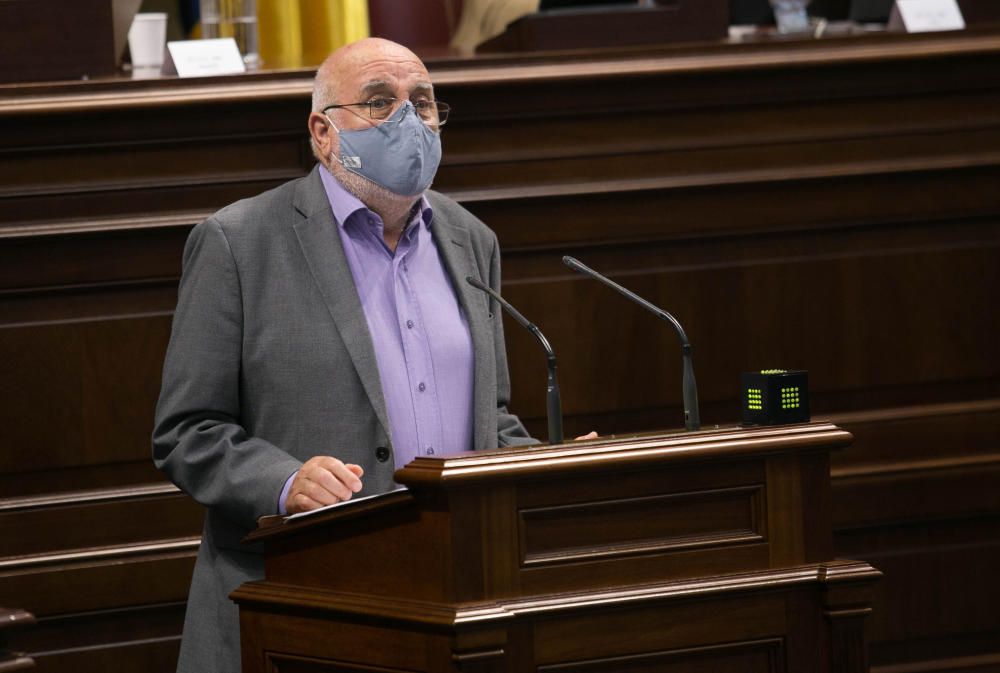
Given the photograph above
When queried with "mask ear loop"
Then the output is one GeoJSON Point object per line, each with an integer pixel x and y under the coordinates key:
{"type": "Point", "coordinates": [387, 124]}
{"type": "Point", "coordinates": [334, 127]}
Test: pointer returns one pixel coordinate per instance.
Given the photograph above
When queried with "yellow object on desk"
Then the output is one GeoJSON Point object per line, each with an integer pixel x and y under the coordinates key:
{"type": "Point", "coordinates": [280, 26]}
{"type": "Point", "coordinates": [303, 33]}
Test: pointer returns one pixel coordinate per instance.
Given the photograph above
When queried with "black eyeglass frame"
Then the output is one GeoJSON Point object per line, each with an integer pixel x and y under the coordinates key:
{"type": "Point", "coordinates": [442, 109]}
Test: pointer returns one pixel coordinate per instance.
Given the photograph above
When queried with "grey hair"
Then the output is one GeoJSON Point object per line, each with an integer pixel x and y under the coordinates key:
{"type": "Point", "coordinates": [324, 86]}
{"type": "Point", "coordinates": [323, 90]}
{"type": "Point", "coordinates": [323, 94]}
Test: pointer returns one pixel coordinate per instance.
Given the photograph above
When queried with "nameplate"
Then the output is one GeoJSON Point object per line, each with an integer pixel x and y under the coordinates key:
{"type": "Point", "coordinates": [205, 58]}
{"type": "Point", "coordinates": [926, 16]}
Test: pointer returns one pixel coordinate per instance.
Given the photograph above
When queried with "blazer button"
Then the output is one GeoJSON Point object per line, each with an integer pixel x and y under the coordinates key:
{"type": "Point", "coordinates": [382, 453]}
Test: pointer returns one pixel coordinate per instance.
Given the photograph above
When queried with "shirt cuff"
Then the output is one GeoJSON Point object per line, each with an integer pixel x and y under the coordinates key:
{"type": "Point", "coordinates": [282, 510]}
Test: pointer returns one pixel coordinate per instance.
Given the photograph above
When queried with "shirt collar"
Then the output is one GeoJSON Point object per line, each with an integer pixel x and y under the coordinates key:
{"type": "Point", "coordinates": [345, 205]}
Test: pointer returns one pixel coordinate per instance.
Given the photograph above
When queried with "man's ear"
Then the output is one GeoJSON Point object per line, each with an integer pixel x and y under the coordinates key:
{"type": "Point", "coordinates": [321, 133]}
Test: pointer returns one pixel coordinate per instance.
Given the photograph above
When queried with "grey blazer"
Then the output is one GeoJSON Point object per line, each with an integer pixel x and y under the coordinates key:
{"type": "Point", "coordinates": [270, 362]}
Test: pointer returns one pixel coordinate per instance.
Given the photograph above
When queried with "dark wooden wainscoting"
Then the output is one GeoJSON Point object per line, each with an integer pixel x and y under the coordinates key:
{"type": "Point", "coordinates": [827, 205]}
{"type": "Point", "coordinates": [916, 496]}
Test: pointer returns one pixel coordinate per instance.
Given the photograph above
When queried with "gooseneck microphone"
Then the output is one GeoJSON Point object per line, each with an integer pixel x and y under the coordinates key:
{"type": "Point", "coordinates": [692, 419]}
{"type": "Point", "coordinates": [552, 400]}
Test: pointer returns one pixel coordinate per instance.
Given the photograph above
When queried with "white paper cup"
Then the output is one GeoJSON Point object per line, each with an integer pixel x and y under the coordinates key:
{"type": "Point", "coordinates": [147, 37]}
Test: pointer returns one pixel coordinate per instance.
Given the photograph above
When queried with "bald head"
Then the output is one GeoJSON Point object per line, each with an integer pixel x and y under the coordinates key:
{"type": "Point", "coordinates": [345, 72]}
{"type": "Point", "coordinates": [363, 72]}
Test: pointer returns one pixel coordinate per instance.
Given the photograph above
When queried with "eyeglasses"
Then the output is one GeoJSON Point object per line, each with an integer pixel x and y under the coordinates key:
{"type": "Point", "coordinates": [432, 113]}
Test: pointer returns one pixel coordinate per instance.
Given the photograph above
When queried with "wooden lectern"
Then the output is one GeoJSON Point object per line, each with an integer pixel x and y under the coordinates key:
{"type": "Point", "coordinates": [708, 551]}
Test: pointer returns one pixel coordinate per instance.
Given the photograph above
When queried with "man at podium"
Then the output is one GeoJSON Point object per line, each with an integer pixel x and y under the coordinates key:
{"type": "Point", "coordinates": [325, 335]}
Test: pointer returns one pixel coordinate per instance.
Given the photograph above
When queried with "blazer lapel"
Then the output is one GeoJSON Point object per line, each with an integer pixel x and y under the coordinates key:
{"type": "Point", "coordinates": [455, 248]}
{"type": "Point", "coordinates": [324, 253]}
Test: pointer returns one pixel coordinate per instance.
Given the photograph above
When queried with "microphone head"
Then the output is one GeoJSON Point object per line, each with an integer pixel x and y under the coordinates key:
{"type": "Point", "coordinates": [580, 267]}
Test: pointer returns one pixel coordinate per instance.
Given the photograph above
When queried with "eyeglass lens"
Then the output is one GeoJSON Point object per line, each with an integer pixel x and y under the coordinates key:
{"type": "Point", "coordinates": [431, 112]}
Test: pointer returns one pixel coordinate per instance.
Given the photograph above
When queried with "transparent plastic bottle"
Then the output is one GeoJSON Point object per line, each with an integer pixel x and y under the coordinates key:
{"type": "Point", "coordinates": [236, 19]}
{"type": "Point", "coordinates": [790, 15]}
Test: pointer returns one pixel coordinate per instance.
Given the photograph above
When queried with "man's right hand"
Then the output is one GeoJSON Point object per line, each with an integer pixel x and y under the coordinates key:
{"type": "Point", "coordinates": [321, 481]}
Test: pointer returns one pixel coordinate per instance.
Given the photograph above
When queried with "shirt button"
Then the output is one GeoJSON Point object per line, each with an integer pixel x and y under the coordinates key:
{"type": "Point", "coordinates": [430, 450]}
{"type": "Point", "coordinates": [422, 387]}
{"type": "Point", "coordinates": [382, 454]}
{"type": "Point", "coordinates": [409, 324]}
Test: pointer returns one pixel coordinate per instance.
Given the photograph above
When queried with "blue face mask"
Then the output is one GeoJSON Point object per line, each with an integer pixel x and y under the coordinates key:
{"type": "Point", "coordinates": [402, 154]}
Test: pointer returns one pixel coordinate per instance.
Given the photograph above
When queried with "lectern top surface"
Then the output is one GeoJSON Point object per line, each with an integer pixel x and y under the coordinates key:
{"type": "Point", "coordinates": [474, 466]}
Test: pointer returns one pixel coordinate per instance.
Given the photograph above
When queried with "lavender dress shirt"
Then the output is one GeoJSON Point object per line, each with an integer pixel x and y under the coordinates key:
{"type": "Point", "coordinates": [420, 335]}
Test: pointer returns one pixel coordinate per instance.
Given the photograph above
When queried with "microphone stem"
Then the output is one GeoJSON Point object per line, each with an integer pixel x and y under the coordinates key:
{"type": "Point", "coordinates": [553, 402]}
{"type": "Point", "coordinates": [692, 418]}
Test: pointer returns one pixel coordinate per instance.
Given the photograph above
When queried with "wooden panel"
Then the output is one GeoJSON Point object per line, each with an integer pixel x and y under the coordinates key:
{"type": "Point", "coordinates": [810, 279]}
{"type": "Point", "coordinates": [678, 624]}
{"type": "Point", "coordinates": [151, 158]}
{"type": "Point", "coordinates": [96, 399]}
{"type": "Point", "coordinates": [139, 639]}
{"type": "Point", "coordinates": [973, 664]}
{"type": "Point", "coordinates": [352, 648]}
{"type": "Point", "coordinates": [283, 663]}
{"type": "Point", "coordinates": [99, 568]}
{"type": "Point", "coordinates": [426, 571]}
{"type": "Point", "coordinates": [605, 495]}
{"type": "Point", "coordinates": [916, 496]}
{"type": "Point", "coordinates": [708, 555]}
{"type": "Point", "coordinates": [99, 519]}
{"type": "Point", "coordinates": [101, 579]}
{"type": "Point", "coordinates": [925, 437]}
{"type": "Point", "coordinates": [921, 493]}
{"type": "Point", "coordinates": [106, 263]}
{"type": "Point", "coordinates": [155, 655]}
{"type": "Point", "coordinates": [75, 42]}
{"type": "Point", "coordinates": [680, 552]}
{"type": "Point", "coordinates": [654, 629]}
{"type": "Point", "coordinates": [555, 535]}
{"type": "Point", "coordinates": [162, 164]}
{"type": "Point", "coordinates": [762, 655]}
{"type": "Point", "coordinates": [938, 557]}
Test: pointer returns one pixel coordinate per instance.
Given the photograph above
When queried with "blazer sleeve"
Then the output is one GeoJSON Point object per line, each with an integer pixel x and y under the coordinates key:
{"type": "Point", "coordinates": [510, 430]}
{"type": "Point", "coordinates": [198, 439]}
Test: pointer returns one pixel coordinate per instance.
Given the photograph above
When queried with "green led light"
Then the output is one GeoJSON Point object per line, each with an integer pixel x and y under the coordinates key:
{"type": "Point", "coordinates": [790, 397]}
{"type": "Point", "coordinates": [772, 371]}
